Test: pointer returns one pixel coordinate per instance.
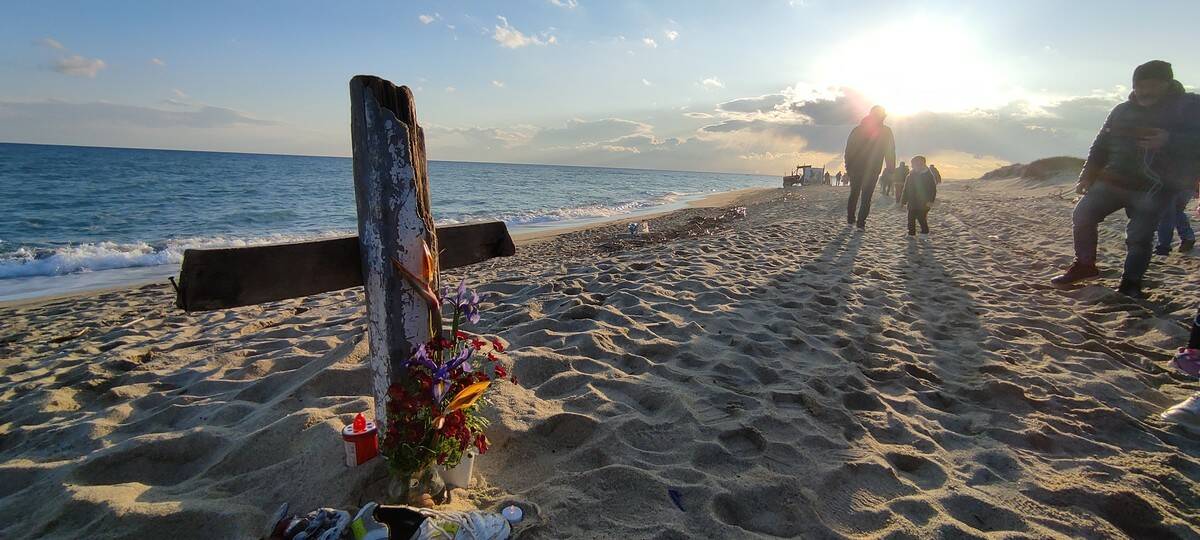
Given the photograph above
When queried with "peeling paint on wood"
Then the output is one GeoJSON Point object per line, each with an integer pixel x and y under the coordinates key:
{"type": "Point", "coordinates": [392, 191]}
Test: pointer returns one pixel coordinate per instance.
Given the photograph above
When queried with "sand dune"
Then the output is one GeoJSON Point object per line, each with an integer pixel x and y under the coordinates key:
{"type": "Point", "coordinates": [788, 376]}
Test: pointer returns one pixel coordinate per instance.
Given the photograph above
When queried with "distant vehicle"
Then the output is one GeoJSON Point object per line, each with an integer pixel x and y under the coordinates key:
{"type": "Point", "coordinates": [805, 175]}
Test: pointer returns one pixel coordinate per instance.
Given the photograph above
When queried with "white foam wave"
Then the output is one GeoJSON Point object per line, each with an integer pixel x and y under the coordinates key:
{"type": "Point", "coordinates": [580, 213]}
{"type": "Point", "coordinates": [93, 257]}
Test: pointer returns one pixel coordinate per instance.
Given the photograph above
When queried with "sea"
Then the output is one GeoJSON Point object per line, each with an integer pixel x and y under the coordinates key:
{"type": "Point", "coordinates": [83, 218]}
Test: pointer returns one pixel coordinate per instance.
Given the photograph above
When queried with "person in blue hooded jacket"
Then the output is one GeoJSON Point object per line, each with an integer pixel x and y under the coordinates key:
{"type": "Point", "coordinates": [1146, 152]}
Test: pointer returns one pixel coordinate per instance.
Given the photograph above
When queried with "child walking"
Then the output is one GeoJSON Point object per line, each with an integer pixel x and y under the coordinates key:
{"type": "Point", "coordinates": [920, 189]}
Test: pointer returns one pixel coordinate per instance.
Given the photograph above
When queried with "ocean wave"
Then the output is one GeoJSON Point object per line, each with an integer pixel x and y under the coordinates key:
{"type": "Point", "coordinates": [589, 212]}
{"type": "Point", "coordinates": [26, 261]}
{"type": "Point", "coordinates": [93, 257]}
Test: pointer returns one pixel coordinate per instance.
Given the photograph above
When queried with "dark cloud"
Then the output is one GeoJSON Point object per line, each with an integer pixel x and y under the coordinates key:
{"type": "Point", "coordinates": [1016, 131]}
{"type": "Point", "coordinates": [847, 108]}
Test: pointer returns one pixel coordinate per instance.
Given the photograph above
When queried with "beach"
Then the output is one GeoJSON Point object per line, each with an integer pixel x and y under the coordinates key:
{"type": "Point", "coordinates": [786, 375]}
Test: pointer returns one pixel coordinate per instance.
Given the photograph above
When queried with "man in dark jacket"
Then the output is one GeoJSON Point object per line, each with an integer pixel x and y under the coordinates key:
{"type": "Point", "coordinates": [870, 144]}
{"type": "Point", "coordinates": [920, 190]}
{"type": "Point", "coordinates": [1145, 153]}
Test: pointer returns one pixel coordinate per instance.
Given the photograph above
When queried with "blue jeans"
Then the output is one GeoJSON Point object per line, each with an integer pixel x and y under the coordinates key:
{"type": "Point", "coordinates": [1143, 209]}
{"type": "Point", "coordinates": [1175, 219]}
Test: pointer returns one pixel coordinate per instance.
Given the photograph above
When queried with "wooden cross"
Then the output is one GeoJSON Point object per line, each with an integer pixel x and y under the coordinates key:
{"type": "Point", "coordinates": [395, 226]}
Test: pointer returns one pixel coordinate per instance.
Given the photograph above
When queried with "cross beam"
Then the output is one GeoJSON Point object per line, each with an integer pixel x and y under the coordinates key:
{"type": "Point", "coordinates": [233, 277]}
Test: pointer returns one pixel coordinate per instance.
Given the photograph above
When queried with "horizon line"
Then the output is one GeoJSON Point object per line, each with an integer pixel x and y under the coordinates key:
{"type": "Point", "coordinates": [247, 153]}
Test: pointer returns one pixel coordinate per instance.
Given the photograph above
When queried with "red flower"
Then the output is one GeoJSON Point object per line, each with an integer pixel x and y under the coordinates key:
{"type": "Point", "coordinates": [500, 371]}
{"type": "Point", "coordinates": [443, 343]}
{"type": "Point", "coordinates": [478, 343]}
{"type": "Point", "coordinates": [481, 443]}
{"type": "Point", "coordinates": [460, 335]}
{"type": "Point", "coordinates": [497, 345]}
{"type": "Point", "coordinates": [492, 357]}
{"type": "Point", "coordinates": [441, 458]}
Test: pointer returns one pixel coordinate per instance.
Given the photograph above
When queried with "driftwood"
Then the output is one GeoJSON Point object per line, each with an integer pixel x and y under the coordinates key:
{"type": "Point", "coordinates": [395, 224]}
{"type": "Point", "coordinates": [233, 277]}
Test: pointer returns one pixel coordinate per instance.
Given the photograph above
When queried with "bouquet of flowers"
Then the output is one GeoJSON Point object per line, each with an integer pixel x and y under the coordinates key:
{"type": "Point", "coordinates": [436, 413]}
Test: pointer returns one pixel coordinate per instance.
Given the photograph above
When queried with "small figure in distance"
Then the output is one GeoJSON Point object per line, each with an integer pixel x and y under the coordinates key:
{"type": "Point", "coordinates": [937, 175]}
{"type": "Point", "coordinates": [898, 183]}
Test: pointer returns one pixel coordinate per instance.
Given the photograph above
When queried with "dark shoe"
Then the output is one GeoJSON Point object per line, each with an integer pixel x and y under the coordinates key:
{"type": "Point", "coordinates": [1077, 272]}
{"type": "Point", "coordinates": [1164, 251]}
{"type": "Point", "coordinates": [1130, 288]}
{"type": "Point", "coordinates": [862, 226]}
{"type": "Point", "coordinates": [1186, 245]}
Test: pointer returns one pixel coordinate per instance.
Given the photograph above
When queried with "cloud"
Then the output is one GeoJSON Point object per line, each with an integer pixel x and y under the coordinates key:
{"type": "Point", "coordinates": [52, 43]}
{"type": "Point", "coordinates": [650, 43]}
{"type": "Point", "coordinates": [760, 104]}
{"type": "Point", "coordinates": [450, 89]}
{"type": "Point", "coordinates": [157, 61]}
{"type": "Point", "coordinates": [698, 115]}
{"type": "Point", "coordinates": [104, 114]}
{"type": "Point", "coordinates": [586, 133]}
{"type": "Point", "coordinates": [712, 82]}
{"type": "Point", "coordinates": [73, 64]}
{"type": "Point", "coordinates": [569, 4]}
{"type": "Point", "coordinates": [426, 19]}
{"type": "Point", "coordinates": [966, 140]}
{"type": "Point", "coordinates": [79, 66]}
{"type": "Point", "coordinates": [672, 35]}
{"type": "Point", "coordinates": [845, 107]}
{"type": "Point", "coordinates": [647, 83]}
{"type": "Point", "coordinates": [180, 94]}
{"type": "Point", "coordinates": [509, 37]}
{"type": "Point", "coordinates": [498, 84]}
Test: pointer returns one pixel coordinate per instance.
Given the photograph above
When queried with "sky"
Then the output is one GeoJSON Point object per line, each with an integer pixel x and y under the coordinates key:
{"type": "Point", "coordinates": [726, 86]}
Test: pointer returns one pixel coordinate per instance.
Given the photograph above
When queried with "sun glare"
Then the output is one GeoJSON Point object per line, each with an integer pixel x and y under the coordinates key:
{"type": "Point", "coordinates": [920, 65]}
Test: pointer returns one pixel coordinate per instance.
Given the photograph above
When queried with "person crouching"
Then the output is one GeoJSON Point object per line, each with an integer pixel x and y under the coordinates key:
{"type": "Point", "coordinates": [920, 189]}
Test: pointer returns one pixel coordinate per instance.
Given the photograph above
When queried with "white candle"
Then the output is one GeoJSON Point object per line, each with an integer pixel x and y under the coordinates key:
{"type": "Point", "coordinates": [512, 513]}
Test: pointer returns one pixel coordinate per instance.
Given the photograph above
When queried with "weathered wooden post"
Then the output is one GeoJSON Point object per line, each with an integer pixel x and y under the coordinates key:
{"type": "Point", "coordinates": [391, 186]}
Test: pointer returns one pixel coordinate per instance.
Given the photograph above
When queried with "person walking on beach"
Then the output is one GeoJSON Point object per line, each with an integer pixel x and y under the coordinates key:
{"type": "Point", "coordinates": [839, 178]}
{"type": "Point", "coordinates": [870, 145]}
{"type": "Point", "coordinates": [1175, 219]}
{"type": "Point", "coordinates": [828, 179]}
{"type": "Point", "coordinates": [937, 175]}
{"type": "Point", "coordinates": [919, 192]}
{"type": "Point", "coordinates": [898, 182]}
{"type": "Point", "coordinates": [1147, 150]}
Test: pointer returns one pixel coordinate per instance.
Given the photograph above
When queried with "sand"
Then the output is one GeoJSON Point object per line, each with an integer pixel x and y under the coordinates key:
{"type": "Point", "coordinates": [786, 375]}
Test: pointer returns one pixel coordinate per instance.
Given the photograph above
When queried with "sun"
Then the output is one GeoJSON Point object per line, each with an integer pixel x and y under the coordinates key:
{"type": "Point", "coordinates": [924, 64]}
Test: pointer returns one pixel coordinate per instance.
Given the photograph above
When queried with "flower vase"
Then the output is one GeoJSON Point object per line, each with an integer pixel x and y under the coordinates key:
{"type": "Point", "coordinates": [460, 475]}
{"type": "Point", "coordinates": [423, 488]}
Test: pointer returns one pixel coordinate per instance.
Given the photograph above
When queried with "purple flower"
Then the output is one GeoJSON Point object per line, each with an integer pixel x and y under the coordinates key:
{"type": "Point", "coordinates": [465, 302]}
{"type": "Point", "coordinates": [421, 357]}
{"type": "Point", "coordinates": [463, 359]}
